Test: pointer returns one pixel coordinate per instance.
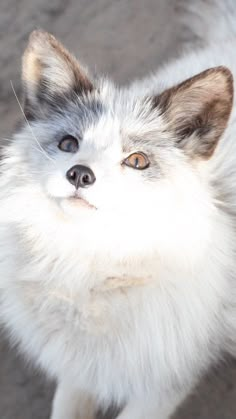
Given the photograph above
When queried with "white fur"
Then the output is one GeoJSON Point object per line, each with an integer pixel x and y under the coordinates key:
{"type": "Point", "coordinates": [129, 303]}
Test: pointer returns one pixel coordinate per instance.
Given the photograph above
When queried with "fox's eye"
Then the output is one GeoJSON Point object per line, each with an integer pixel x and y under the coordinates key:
{"type": "Point", "coordinates": [137, 160]}
{"type": "Point", "coordinates": [69, 144]}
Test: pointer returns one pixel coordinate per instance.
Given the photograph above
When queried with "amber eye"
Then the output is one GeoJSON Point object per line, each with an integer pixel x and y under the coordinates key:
{"type": "Point", "coordinates": [69, 144]}
{"type": "Point", "coordinates": [137, 161]}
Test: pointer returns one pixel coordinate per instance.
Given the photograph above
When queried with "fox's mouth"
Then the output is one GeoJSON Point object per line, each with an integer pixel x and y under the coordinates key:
{"type": "Point", "coordinates": [78, 199]}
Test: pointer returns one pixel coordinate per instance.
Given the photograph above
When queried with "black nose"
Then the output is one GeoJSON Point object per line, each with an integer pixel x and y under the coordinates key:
{"type": "Point", "coordinates": [80, 176]}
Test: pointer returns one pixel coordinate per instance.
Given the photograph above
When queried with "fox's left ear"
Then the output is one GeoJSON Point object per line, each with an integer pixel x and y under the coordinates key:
{"type": "Point", "coordinates": [49, 71]}
{"type": "Point", "coordinates": [196, 112]}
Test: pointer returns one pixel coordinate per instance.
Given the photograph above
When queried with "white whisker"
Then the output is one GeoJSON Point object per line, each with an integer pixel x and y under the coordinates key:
{"type": "Point", "coordinates": [40, 151]}
{"type": "Point", "coordinates": [26, 120]}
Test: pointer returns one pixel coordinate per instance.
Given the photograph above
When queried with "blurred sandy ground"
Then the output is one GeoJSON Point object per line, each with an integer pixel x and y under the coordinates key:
{"type": "Point", "coordinates": [125, 39]}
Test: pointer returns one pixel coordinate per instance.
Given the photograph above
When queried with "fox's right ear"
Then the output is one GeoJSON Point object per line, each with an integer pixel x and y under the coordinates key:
{"type": "Point", "coordinates": [49, 72]}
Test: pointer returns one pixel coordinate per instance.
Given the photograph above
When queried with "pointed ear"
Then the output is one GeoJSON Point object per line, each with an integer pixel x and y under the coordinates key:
{"type": "Point", "coordinates": [49, 71]}
{"type": "Point", "coordinates": [197, 110]}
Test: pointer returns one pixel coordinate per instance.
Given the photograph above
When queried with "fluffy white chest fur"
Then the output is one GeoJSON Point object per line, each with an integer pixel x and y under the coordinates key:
{"type": "Point", "coordinates": [118, 229]}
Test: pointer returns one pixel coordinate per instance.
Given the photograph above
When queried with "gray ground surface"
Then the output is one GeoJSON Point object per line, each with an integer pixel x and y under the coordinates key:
{"type": "Point", "coordinates": [125, 39]}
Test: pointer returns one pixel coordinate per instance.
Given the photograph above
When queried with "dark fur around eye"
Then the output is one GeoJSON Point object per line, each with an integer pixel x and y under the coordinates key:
{"type": "Point", "coordinates": [69, 144]}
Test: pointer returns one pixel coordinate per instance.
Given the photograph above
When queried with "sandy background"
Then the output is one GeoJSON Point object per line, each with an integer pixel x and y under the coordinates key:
{"type": "Point", "coordinates": [125, 39]}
